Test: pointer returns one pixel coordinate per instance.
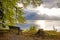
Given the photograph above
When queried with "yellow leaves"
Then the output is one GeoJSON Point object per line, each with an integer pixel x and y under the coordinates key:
{"type": "Point", "coordinates": [8, 15]}
{"type": "Point", "coordinates": [35, 3]}
{"type": "Point", "coordinates": [28, 1]}
{"type": "Point", "coordinates": [19, 11]}
{"type": "Point", "coordinates": [21, 19]}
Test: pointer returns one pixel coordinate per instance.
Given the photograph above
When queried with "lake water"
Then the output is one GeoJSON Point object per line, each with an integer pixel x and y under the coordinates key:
{"type": "Point", "coordinates": [44, 24]}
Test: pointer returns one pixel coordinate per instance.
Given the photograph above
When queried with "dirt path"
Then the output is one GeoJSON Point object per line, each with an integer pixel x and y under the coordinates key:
{"type": "Point", "coordinates": [10, 36]}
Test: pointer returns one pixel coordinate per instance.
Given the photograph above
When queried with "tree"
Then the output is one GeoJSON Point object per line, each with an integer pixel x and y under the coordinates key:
{"type": "Point", "coordinates": [10, 12]}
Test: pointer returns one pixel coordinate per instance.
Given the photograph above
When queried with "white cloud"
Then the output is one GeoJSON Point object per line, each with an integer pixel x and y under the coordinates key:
{"type": "Point", "coordinates": [49, 7]}
{"type": "Point", "coordinates": [50, 12]}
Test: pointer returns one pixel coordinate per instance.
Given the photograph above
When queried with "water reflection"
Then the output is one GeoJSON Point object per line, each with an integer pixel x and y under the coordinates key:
{"type": "Point", "coordinates": [44, 24]}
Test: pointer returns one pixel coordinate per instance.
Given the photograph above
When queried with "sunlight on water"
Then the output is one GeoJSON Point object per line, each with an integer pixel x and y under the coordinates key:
{"type": "Point", "coordinates": [41, 24]}
{"type": "Point", "coordinates": [48, 24]}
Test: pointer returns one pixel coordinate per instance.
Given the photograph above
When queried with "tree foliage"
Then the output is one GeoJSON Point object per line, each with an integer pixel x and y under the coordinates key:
{"type": "Point", "coordinates": [35, 3]}
{"type": "Point", "coordinates": [10, 12]}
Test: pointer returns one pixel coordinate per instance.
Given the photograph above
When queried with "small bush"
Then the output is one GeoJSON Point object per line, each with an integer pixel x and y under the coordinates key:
{"type": "Point", "coordinates": [32, 29]}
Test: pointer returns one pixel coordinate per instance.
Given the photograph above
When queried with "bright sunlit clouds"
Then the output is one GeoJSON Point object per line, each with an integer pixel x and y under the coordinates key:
{"type": "Point", "coordinates": [48, 11]}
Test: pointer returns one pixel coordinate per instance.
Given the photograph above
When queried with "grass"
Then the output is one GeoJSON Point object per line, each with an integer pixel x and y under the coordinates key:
{"type": "Point", "coordinates": [52, 35]}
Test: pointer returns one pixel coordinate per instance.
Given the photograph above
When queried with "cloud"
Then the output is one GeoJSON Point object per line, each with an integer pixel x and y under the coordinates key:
{"type": "Point", "coordinates": [33, 15]}
{"type": "Point", "coordinates": [50, 12]}
{"type": "Point", "coordinates": [46, 11]}
{"type": "Point", "coordinates": [50, 3]}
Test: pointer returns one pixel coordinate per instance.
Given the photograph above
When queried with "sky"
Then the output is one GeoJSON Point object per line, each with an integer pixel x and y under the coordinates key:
{"type": "Point", "coordinates": [49, 7]}
{"type": "Point", "coordinates": [48, 12]}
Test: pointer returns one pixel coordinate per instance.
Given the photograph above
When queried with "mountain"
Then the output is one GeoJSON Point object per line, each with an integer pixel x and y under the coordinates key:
{"type": "Point", "coordinates": [32, 15]}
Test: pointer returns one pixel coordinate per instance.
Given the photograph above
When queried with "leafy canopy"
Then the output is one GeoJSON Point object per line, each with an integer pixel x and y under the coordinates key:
{"type": "Point", "coordinates": [12, 13]}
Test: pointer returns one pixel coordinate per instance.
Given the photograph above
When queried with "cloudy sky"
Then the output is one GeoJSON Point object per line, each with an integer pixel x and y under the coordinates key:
{"type": "Point", "coordinates": [49, 10]}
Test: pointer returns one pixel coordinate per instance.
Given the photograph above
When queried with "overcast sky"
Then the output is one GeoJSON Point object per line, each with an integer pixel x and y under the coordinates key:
{"type": "Point", "coordinates": [49, 7]}
{"type": "Point", "coordinates": [48, 10]}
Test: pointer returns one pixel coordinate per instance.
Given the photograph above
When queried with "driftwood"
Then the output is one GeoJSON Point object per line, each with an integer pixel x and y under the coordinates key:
{"type": "Point", "coordinates": [40, 33]}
